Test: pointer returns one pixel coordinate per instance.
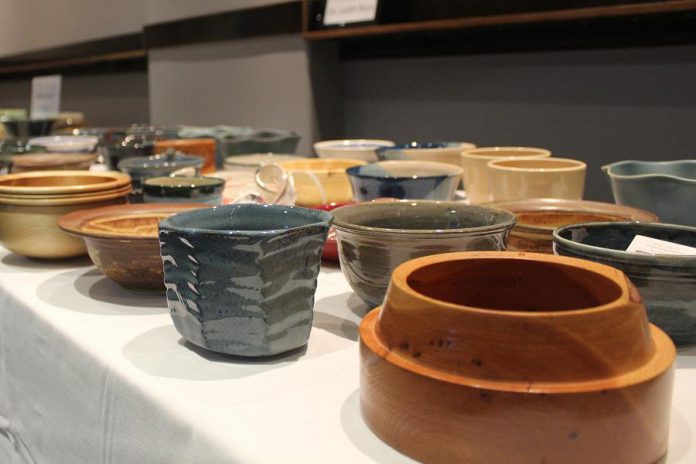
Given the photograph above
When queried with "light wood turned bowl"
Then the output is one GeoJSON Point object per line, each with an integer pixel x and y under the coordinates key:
{"type": "Point", "coordinates": [502, 357]}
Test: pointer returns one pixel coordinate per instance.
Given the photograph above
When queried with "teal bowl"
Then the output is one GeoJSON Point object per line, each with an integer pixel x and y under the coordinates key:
{"type": "Point", "coordinates": [667, 188]}
{"type": "Point", "coordinates": [667, 283]}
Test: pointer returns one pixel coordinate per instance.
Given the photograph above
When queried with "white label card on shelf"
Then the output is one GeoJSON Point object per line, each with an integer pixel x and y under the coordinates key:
{"type": "Point", "coordinates": [349, 11]}
{"type": "Point", "coordinates": [653, 246]}
{"type": "Point", "coordinates": [45, 97]}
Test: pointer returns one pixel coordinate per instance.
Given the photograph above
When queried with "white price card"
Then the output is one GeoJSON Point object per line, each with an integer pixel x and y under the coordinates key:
{"type": "Point", "coordinates": [45, 97]}
{"type": "Point", "coordinates": [349, 11]}
{"type": "Point", "coordinates": [653, 246]}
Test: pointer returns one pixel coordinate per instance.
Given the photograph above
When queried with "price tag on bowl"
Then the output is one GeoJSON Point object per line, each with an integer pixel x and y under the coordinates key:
{"type": "Point", "coordinates": [339, 12]}
{"type": "Point", "coordinates": [652, 246]}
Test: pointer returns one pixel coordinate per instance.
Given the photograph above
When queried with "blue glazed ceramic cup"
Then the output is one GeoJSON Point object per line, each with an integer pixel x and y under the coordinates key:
{"type": "Point", "coordinates": [667, 283]}
{"type": "Point", "coordinates": [414, 180]}
{"type": "Point", "coordinates": [241, 279]}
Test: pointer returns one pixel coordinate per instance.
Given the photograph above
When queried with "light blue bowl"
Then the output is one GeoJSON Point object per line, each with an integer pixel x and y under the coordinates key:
{"type": "Point", "coordinates": [667, 188]}
{"type": "Point", "coordinates": [241, 279]}
{"type": "Point", "coordinates": [413, 180]}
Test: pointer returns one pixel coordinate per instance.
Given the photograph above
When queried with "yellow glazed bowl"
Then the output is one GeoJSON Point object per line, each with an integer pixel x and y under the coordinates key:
{"type": "Point", "coordinates": [513, 179]}
{"type": "Point", "coordinates": [475, 164]}
{"type": "Point", "coordinates": [319, 181]}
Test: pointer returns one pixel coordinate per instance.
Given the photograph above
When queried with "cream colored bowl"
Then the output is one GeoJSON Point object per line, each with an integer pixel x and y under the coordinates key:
{"type": "Point", "coordinates": [513, 179]}
{"type": "Point", "coordinates": [475, 164]}
{"type": "Point", "coordinates": [319, 181]}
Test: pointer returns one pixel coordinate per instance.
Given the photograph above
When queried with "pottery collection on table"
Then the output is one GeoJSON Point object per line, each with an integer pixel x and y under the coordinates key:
{"type": "Point", "coordinates": [509, 323]}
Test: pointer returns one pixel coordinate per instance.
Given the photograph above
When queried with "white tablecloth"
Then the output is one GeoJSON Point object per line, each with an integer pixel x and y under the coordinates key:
{"type": "Point", "coordinates": [92, 373]}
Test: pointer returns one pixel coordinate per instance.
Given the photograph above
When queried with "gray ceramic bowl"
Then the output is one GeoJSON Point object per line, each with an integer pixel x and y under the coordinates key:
{"type": "Point", "coordinates": [667, 283]}
{"type": "Point", "coordinates": [143, 167]}
{"type": "Point", "coordinates": [667, 188]}
{"type": "Point", "coordinates": [182, 189]}
{"type": "Point", "coordinates": [240, 279]}
{"type": "Point", "coordinates": [374, 238]}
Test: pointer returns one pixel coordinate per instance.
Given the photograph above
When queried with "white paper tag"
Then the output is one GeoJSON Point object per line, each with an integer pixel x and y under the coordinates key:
{"type": "Point", "coordinates": [45, 97]}
{"type": "Point", "coordinates": [349, 11]}
{"type": "Point", "coordinates": [653, 246]}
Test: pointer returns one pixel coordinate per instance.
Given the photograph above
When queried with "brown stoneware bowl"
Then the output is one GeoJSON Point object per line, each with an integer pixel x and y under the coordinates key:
{"type": "Point", "coordinates": [537, 218]}
{"type": "Point", "coordinates": [122, 241]}
{"type": "Point", "coordinates": [52, 161]}
{"type": "Point", "coordinates": [497, 357]}
{"type": "Point", "coordinates": [32, 202]}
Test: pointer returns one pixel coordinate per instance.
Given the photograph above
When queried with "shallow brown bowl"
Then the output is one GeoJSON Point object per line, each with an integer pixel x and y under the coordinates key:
{"type": "Point", "coordinates": [123, 242]}
{"type": "Point", "coordinates": [52, 161]}
{"type": "Point", "coordinates": [488, 357]}
{"type": "Point", "coordinates": [537, 219]}
{"type": "Point", "coordinates": [62, 182]}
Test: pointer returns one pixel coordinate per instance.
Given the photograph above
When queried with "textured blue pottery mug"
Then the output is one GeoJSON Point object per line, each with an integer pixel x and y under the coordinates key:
{"type": "Point", "coordinates": [241, 279]}
{"type": "Point", "coordinates": [414, 180]}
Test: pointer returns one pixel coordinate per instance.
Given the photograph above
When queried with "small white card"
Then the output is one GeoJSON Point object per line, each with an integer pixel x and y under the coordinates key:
{"type": "Point", "coordinates": [652, 246]}
{"type": "Point", "coordinates": [349, 11]}
{"type": "Point", "coordinates": [45, 97]}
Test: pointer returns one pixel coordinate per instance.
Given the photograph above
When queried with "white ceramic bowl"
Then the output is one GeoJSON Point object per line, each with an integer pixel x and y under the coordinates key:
{"type": "Point", "coordinates": [66, 143]}
{"type": "Point", "coordinates": [362, 149]}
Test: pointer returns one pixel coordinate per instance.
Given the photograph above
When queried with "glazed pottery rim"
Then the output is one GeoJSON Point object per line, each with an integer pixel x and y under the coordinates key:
{"type": "Point", "coordinates": [345, 144]}
{"type": "Point", "coordinates": [73, 222]}
{"type": "Point", "coordinates": [453, 171]}
{"type": "Point", "coordinates": [608, 169]}
{"type": "Point", "coordinates": [561, 205]}
{"type": "Point", "coordinates": [610, 254]}
{"type": "Point", "coordinates": [527, 152]}
{"type": "Point", "coordinates": [68, 200]}
{"type": "Point", "coordinates": [317, 213]}
{"type": "Point", "coordinates": [214, 182]}
{"type": "Point", "coordinates": [343, 226]}
{"type": "Point", "coordinates": [439, 147]}
{"type": "Point", "coordinates": [573, 165]}
{"type": "Point", "coordinates": [399, 278]}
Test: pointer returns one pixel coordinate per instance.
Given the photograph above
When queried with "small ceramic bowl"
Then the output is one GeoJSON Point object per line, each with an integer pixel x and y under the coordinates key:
{"type": "Point", "coordinates": [32, 202]}
{"type": "Point", "coordinates": [362, 149]}
{"type": "Point", "coordinates": [66, 143]}
{"type": "Point", "coordinates": [404, 179]}
{"type": "Point", "coordinates": [515, 358]}
{"type": "Point", "coordinates": [51, 162]}
{"type": "Point", "coordinates": [667, 283]}
{"type": "Point", "coordinates": [241, 279]}
{"type": "Point", "coordinates": [475, 164]}
{"type": "Point", "coordinates": [330, 252]}
{"type": "Point", "coordinates": [375, 237]}
{"type": "Point", "coordinates": [165, 164]}
{"type": "Point", "coordinates": [667, 188]}
{"type": "Point", "coordinates": [123, 241]}
{"type": "Point", "coordinates": [514, 179]}
{"type": "Point", "coordinates": [183, 190]}
{"type": "Point", "coordinates": [203, 148]}
{"type": "Point", "coordinates": [261, 141]}
{"type": "Point", "coordinates": [439, 152]}
{"type": "Point", "coordinates": [538, 217]}
{"type": "Point", "coordinates": [318, 181]}
{"type": "Point", "coordinates": [25, 128]}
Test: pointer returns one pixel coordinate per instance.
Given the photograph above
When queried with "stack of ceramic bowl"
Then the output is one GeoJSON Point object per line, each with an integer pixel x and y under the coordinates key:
{"type": "Point", "coordinates": [32, 202]}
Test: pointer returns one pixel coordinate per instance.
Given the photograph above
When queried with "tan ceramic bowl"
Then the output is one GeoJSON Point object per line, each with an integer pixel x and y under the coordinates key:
{"type": "Point", "coordinates": [319, 181]}
{"type": "Point", "coordinates": [515, 357]}
{"type": "Point", "coordinates": [538, 217]}
{"type": "Point", "coordinates": [52, 161]}
{"type": "Point", "coordinates": [32, 202]}
{"type": "Point", "coordinates": [475, 164]}
{"type": "Point", "coordinates": [123, 242]}
{"type": "Point", "coordinates": [513, 179]}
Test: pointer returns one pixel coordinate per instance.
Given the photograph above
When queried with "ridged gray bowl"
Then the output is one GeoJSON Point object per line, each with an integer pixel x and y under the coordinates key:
{"type": "Point", "coordinates": [241, 279]}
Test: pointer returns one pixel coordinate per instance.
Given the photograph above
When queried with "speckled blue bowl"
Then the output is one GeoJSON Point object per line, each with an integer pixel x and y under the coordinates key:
{"type": "Point", "coordinates": [667, 283]}
{"type": "Point", "coordinates": [241, 279]}
{"type": "Point", "coordinates": [413, 180]}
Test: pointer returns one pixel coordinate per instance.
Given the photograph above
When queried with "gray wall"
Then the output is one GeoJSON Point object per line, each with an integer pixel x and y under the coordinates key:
{"type": "Point", "coordinates": [596, 105]}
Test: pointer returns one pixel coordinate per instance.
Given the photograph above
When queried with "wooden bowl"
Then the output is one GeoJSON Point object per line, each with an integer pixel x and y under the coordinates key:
{"type": "Point", "coordinates": [62, 182]}
{"type": "Point", "coordinates": [52, 161]}
{"type": "Point", "coordinates": [537, 218]}
{"type": "Point", "coordinates": [123, 242]}
{"type": "Point", "coordinates": [490, 357]}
